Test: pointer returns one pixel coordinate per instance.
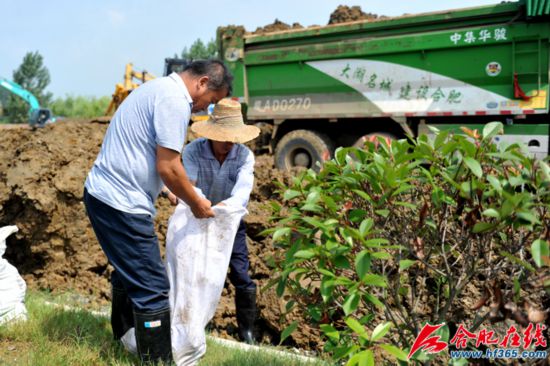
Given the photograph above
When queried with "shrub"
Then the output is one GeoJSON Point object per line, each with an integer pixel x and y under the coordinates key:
{"type": "Point", "coordinates": [394, 236]}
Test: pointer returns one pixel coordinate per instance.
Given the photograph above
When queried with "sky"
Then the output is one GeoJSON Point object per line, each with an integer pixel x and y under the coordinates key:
{"type": "Point", "coordinates": [86, 44]}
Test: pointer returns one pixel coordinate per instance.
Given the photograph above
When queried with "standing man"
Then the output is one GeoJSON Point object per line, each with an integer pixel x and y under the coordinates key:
{"type": "Point", "coordinates": [141, 152]}
{"type": "Point", "coordinates": [223, 168]}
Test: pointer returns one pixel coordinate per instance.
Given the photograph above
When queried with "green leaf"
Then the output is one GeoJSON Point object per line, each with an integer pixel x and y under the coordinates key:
{"type": "Point", "coordinates": [394, 351]}
{"type": "Point", "coordinates": [481, 227]}
{"type": "Point", "coordinates": [288, 331]}
{"type": "Point", "coordinates": [544, 169]}
{"type": "Point", "coordinates": [279, 233]}
{"type": "Point", "coordinates": [343, 351]}
{"type": "Point", "coordinates": [405, 263]}
{"type": "Point", "coordinates": [373, 300]}
{"type": "Point", "coordinates": [362, 194]}
{"type": "Point", "coordinates": [491, 129]}
{"type": "Point", "coordinates": [357, 327]}
{"type": "Point", "coordinates": [365, 227]}
{"type": "Point", "coordinates": [281, 285]}
{"type": "Point", "coordinates": [362, 263]}
{"type": "Point", "coordinates": [380, 331]}
{"type": "Point", "coordinates": [495, 183]}
{"type": "Point", "coordinates": [350, 304]}
{"type": "Point", "coordinates": [340, 155]}
{"type": "Point", "coordinates": [374, 280]}
{"type": "Point", "coordinates": [517, 290]}
{"type": "Point", "coordinates": [327, 286]}
{"type": "Point", "coordinates": [474, 166]}
{"type": "Point", "coordinates": [330, 332]}
{"type": "Point", "coordinates": [313, 197]}
{"type": "Point", "coordinates": [491, 212]}
{"type": "Point", "coordinates": [369, 358]}
{"type": "Point", "coordinates": [341, 261]}
{"type": "Point", "coordinates": [375, 242]}
{"type": "Point", "coordinates": [384, 213]}
{"type": "Point", "coordinates": [440, 139]}
{"type": "Point", "coordinates": [305, 254]}
{"type": "Point", "coordinates": [314, 222]}
{"type": "Point", "coordinates": [363, 358]}
{"type": "Point", "coordinates": [529, 217]}
{"type": "Point", "coordinates": [311, 207]}
{"type": "Point", "coordinates": [539, 250]}
{"type": "Point", "coordinates": [326, 272]}
{"type": "Point", "coordinates": [290, 194]}
{"type": "Point", "coordinates": [381, 255]}
{"type": "Point", "coordinates": [517, 260]}
{"type": "Point", "coordinates": [357, 215]}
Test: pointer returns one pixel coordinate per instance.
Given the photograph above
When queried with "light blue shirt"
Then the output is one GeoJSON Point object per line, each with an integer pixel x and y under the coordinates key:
{"type": "Point", "coordinates": [230, 182]}
{"type": "Point", "coordinates": [124, 175]}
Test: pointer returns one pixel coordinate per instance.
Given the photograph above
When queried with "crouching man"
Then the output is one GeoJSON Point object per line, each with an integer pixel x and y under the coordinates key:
{"type": "Point", "coordinates": [223, 168]}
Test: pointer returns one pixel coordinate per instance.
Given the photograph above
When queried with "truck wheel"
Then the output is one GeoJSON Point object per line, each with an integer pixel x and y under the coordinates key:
{"type": "Point", "coordinates": [302, 148]}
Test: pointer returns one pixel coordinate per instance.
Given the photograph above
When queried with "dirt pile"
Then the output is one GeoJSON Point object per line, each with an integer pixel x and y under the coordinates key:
{"type": "Point", "coordinates": [344, 13]}
{"type": "Point", "coordinates": [276, 26]}
{"type": "Point", "coordinates": [41, 183]}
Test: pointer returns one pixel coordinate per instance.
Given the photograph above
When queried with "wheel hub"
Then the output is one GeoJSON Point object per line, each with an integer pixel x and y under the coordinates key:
{"type": "Point", "coordinates": [302, 159]}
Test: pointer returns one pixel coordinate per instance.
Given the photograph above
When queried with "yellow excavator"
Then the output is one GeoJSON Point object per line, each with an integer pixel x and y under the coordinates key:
{"type": "Point", "coordinates": [131, 79]}
{"type": "Point", "coordinates": [122, 90]}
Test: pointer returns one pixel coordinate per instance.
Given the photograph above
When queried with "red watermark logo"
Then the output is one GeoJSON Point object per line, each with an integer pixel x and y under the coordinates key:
{"type": "Point", "coordinates": [533, 335]}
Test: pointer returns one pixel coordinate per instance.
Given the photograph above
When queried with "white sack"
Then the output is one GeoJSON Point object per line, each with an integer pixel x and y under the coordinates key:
{"type": "Point", "coordinates": [12, 286]}
{"type": "Point", "coordinates": [197, 259]}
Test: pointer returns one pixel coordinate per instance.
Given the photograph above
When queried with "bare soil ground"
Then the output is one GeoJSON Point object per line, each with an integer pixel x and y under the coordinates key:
{"type": "Point", "coordinates": [42, 174]}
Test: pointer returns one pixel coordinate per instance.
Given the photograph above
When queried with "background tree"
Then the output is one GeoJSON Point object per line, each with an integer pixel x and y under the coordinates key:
{"type": "Point", "coordinates": [33, 76]}
{"type": "Point", "coordinates": [199, 50]}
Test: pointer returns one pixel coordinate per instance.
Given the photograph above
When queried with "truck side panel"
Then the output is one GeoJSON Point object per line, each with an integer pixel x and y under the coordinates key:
{"type": "Point", "coordinates": [463, 71]}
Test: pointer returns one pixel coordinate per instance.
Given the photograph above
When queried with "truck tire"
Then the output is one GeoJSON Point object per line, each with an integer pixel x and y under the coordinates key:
{"type": "Point", "coordinates": [303, 148]}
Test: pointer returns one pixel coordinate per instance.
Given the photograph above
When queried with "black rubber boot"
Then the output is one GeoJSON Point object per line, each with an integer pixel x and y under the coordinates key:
{"type": "Point", "coordinates": [153, 337]}
{"type": "Point", "coordinates": [245, 302]}
{"type": "Point", "coordinates": [122, 313]}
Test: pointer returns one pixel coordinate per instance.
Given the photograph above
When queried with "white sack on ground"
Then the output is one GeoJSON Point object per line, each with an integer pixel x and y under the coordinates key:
{"type": "Point", "coordinates": [197, 259]}
{"type": "Point", "coordinates": [12, 286]}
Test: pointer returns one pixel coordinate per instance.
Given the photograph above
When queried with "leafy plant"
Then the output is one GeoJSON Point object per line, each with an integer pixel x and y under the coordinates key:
{"type": "Point", "coordinates": [385, 239]}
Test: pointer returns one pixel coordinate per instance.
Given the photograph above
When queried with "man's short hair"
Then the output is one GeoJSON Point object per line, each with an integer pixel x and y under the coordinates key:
{"type": "Point", "coordinates": [218, 74]}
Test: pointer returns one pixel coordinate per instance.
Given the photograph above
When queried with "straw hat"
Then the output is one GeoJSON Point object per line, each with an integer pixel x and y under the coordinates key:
{"type": "Point", "coordinates": [226, 124]}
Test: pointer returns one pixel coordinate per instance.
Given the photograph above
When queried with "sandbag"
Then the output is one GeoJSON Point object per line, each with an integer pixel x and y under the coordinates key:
{"type": "Point", "coordinates": [12, 286]}
{"type": "Point", "coordinates": [197, 258]}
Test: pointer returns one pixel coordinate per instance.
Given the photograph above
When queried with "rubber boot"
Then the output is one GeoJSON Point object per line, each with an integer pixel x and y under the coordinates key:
{"type": "Point", "coordinates": [122, 314]}
{"type": "Point", "coordinates": [245, 302]}
{"type": "Point", "coordinates": [153, 337]}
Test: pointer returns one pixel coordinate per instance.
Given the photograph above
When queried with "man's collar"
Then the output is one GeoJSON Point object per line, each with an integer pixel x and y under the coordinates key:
{"type": "Point", "coordinates": [177, 78]}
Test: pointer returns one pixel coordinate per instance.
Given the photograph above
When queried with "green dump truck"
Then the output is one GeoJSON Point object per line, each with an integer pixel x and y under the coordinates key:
{"type": "Point", "coordinates": [321, 87]}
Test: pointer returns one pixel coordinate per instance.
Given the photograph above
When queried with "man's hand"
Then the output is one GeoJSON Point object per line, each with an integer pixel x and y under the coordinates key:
{"type": "Point", "coordinates": [172, 172]}
{"type": "Point", "coordinates": [202, 209]}
{"type": "Point", "coordinates": [172, 198]}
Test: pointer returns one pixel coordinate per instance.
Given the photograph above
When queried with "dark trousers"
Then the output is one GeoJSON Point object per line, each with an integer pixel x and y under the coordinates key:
{"type": "Point", "coordinates": [131, 246]}
{"type": "Point", "coordinates": [239, 263]}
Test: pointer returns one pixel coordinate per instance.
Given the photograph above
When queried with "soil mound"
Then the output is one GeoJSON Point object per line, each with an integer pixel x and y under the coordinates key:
{"type": "Point", "coordinates": [344, 13]}
{"type": "Point", "coordinates": [277, 26]}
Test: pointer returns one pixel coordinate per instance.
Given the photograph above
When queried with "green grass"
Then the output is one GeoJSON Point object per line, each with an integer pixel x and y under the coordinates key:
{"type": "Point", "coordinates": [53, 336]}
